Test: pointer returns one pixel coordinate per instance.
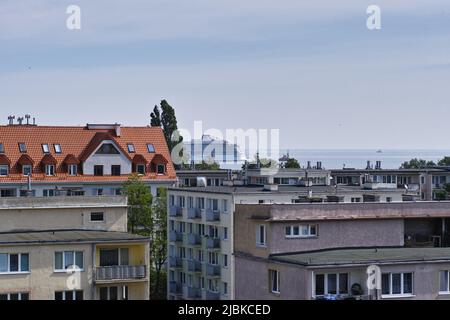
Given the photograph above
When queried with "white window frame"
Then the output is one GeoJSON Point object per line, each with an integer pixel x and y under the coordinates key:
{"type": "Point", "coordinates": [49, 192]}
{"type": "Point", "coordinates": [225, 233]}
{"type": "Point", "coordinates": [19, 264]}
{"type": "Point", "coordinates": [164, 169]}
{"type": "Point", "coordinates": [57, 148]}
{"type": "Point", "coordinates": [225, 260]}
{"type": "Point", "coordinates": [447, 291]}
{"type": "Point", "coordinates": [28, 166]}
{"type": "Point", "coordinates": [18, 293]}
{"type": "Point", "coordinates": [138, 167]}
{"type": "Point", "coordinates": [300, 228]}
{"type": "Point", "coordinates": [73, 170]}
{"type": "Point", "coordinates": [224, 205]}
{"type": "Point", "coordinates": [325, 285]}
{"type": "Point", "coordinates": [402, 294]}
{"type": "Point", "coordinates": [74, 252]}
{"type": "Point", "coordinates": [271, 282]}
{"type": "Point", "coordinates": [4, 167]}
{"type": "Point", "coordinates": [260, 243]}
{"type": "Point", "coordinates": [50, 170]}
{"type": "Point", "coordinates": [45, 148]}
{"type": "Point", "coordinates": [73, 292]}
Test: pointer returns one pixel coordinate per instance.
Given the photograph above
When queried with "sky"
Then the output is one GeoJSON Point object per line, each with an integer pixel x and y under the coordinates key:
{"type": "Point", "coordinates": [309, 68]}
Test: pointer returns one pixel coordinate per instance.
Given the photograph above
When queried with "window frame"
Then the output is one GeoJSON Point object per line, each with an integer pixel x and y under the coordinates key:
{"type": "Point", "coordinates": [57, 147]}
{"type": "Point", "coordinates": [131, 148]}
{"type": "Point", "coordinates": [300, 227]}
{"type": "Point", "coordinates": [325, 284]}
{"type": "Point", "coordinates": [71, 172]}
{"type": "Point", "coordinates": [115, 167]}
{"type": "Point", "coordinates": [259, 228]}
{"type": "Point", "coordinates": [27, 166]}
{"type": "Point", "coordinates": [98, 166]}
{"type": "Point", "coordinates": [140, 166]}
{"type": "Point", "coordinates": [95, 220]}
{"type": "Point", "coordinates": [19, 263]}
{"type": "Point", "coordinates": [74, 253]}
{"type": "Point", "coordinates": [50, 170]}
{"type": "Point", "coordinates": [150, 148]}
{"type": "Point", "coordinates": [3, 167]}
{"type": "Point", "coordinates": [2, 148]}
{"type": "Point", "coordinates": [158, 166]}
{"type": "Point", "coordinates": [74, 295]}
{"type": "Point", "coordinates": [45, 148]}
{"type": "Point", "coordinates": [272, 274]}
{"type": "Point", "coordinates": [402, 286]}
{"type": "Point", "coordinates": [22, 147]}
{"type": "Point", "coordinates": [447, 291]}
{"type": "Point", "coordinates": [19, 294]}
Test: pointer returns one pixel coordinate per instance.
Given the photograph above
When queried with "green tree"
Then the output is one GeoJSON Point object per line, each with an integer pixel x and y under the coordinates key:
{"type": "Point", "coordinates": [417, 164]}
{"type": "Point", "coordinates": [207, 166]}
{"type": "Point", "coordinates": [441, 195]}
{"type": "Point", "coordinates": [292, 163]}
{"type": "Point", "coordinates": [155, 117]}
{"type": "Point", "coordinates": [447, 187]}
{"type": "Point", "coordinates": [164, 116]}
{"type": "Point", "coordinates": [139, 206]}
{"type": "Point", "coordinates": [444, 162]}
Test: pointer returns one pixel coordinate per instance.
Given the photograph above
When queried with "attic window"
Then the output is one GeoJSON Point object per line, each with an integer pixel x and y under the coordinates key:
{"type": "Point", "coordinates": [150, 148]}
{"type": "Point", "coordinates": [57, 148]}
{"type": "Point", "coordinates": [22, 147]}
{"type": "Point", "coordinates": [107, 148]}
{"type": "Point", "coordinates": [45, 148]}
{"type": "Point", "coordinates": [131, 148]}
{"type": "Point", "coordinates": [2, 148]}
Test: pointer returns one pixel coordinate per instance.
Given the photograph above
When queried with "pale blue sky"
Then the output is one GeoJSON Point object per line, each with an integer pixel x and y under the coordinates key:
{"type": "Point", "coordinates": [309, 68]}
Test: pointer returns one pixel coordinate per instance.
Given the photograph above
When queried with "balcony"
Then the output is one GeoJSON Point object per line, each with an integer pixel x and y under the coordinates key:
{"type": "Point", "coordinates": [175, 211]}
{"type": "Point", "coordinates": [212, 270]}
{"type": "Point", "coordinates": [193, 293]}
{"type": "Point", "coordinates": [175, 236]}
{"type": "Point", "coordinates": [194, 239]}
{"type": "Point", "coordinates": [174, 287]}
{"type": "Point", "coordinates": [194, 213]}
{"type": "Point", "coordinates": [211, 295]}
{"type": "Point", "coordinates": [194, 266]}
{"type": "Point", "coordinates": [175, 262]}
{"type": "Point", "coordinates": [212, 243]}
{"type": "Point", "coordinates": [212, 216]}
{"type": "Point", "coordinates": [113, 273]}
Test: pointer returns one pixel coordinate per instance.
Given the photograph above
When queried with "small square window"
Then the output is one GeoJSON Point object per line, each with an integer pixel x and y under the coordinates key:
{"type": "Point", "coordinates": [57, 148]}
{"type": "Point", "coordinates": [131, 148]}
{"type": "Point", "coordinates": [45, 148]}
{"type": "Point", "coordinates": [22, 147]}
{"type": "Point", "coordinates": [150, 148]}
{"type": "Point", "coordinates": [97, 216]}
{"type": "Point", "coordinates": [161, 169]}
{"type": "Point", "coordinates": [140, 168]}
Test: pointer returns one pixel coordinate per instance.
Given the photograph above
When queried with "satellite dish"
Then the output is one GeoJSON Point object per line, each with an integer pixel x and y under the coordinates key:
{"type": "Point", "coordinates": [406, 187]}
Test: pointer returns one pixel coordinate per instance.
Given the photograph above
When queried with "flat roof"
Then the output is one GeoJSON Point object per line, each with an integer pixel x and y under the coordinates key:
{"type": "Point", "coordinates": [24, 203]}
{"type": "Point", "coordinates": [66, 236]}
{"type": "Point", "coordinates": [365, 256]}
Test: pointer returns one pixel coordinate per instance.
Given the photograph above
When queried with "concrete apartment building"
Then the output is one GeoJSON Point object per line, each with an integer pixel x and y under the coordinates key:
{"type": "Point", "coordinates": [91, 160]}
{"type": "Point", "coordinates": [41, 239]}
{"type": "Point", "coordinates": [311, 251]}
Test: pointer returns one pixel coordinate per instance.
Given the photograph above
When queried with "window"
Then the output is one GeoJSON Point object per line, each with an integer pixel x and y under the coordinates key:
{"type": "Point", "coordinates": [15, 296]}
{"type": "Point", "coordinates": [261, 235]}
{"type": "Point", "coordinates": [98, 170]}
{"type": "Point", "coordinates": [113, 293]}
{"type": "Point", "coordinates": [67, 259]}
{"type": "Point", "coordinates": [107, 148]}
{"type": "Point", "coordinates": [301, 231]}
{"type": "Point", "coordinates": [57, 148]}
{"type": "Point", "coordinates": [49, 192]}
{"type": "Point", "coordinates": [140, 169]}
{"type": "Point", "coordinates": [130, 147]}
{"type": "Point", "coordinates": [225, 288]}
{"type": "Point", "coordinates": [213, 204]}
{"type": "Point", "coordinates": [356, 200]}
{"type": "Point", "coordinates": [50, 170]}
{"type": "Point", "coordinates": [14, 262]}
{"type": "Point", "coordinates": [45, 148]}
{"type": "Point", "coordinates": [69, 295]}
{"type": "Point", "coordinates": [4, 170]}
{"type": "Point", "coordinates": [213, 258]}
{"type": "Point", "coordinates": [212, 285]}
{"type": "Point", "coordinates": [161, 169]}
{"type": "Point", "coordinates": [331, 283]}
{"type": "Point", "coordinates": [26, 170]}
{"type": "Point", "coordinates": [225, 205]}
{"type": "Point", "coordinates": [97, 216]}
{"type": "Point", "coordinates": [2, 148]}
{"type": "Point", "coordinates": [397, 284]}
{"type": "Point", "coordinates": [225, 233]}
{"type": "Point", "coordinates": [73, 170]}
{"type": "Point", "coordinates": [389, 199]}
{"type": "Point", "coordinates": [444, 284]}
{"type": "Point", "coordinates": [98, 192]}
{"type": "Point", "coordinates": [225, 261]}
{"type": "Point", "coordinates": [115, 170]}
{"type": "Point", "coordinates": [22, 147]}
{"type": "Point", "coordinates": [201, 203]}
{"type": "Point", "coordinates": [150, 148]}
{"type": "Point", "coordinates": [274, 281]}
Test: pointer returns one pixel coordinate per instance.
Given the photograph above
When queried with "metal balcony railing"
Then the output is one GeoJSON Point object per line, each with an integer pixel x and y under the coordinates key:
{"type": "Point", "coordinates": [175, 236]}
{"type": "Point", "coordinates": [212, 215]}
{"type": "Point", "coordinates": [211, 295]}
{"type": "Point", "coordinates": [175, 211]}
{"type": "Point", "coordinates": [212, 243]}
{"type": "Point", "coordinates": [194, 239]}
{"type": "Point", "coordinates": [194, 266]}
{"type": "Point", "coordinates": [194, 213]}
{"type": "Point", "coordinates": [120, 273]}
{"type": "Point", "coordinates": [212, 270]}
{"type": "Point", "coordinates": [194, 293]}
{"type": "Point", "coordinates": [175, 262]}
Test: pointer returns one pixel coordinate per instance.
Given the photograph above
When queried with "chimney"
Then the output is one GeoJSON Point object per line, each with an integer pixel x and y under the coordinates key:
{"type": "Point", "coordinates": [368, 165]}
{"type": "Point", "coordinates": [319, 165]}
{"type": "Point", "coordinates": [117, 129]}
{"type": "Point", "coordinates": [378, 165]}
{"type": "Point", "coordinates": [309, 165]}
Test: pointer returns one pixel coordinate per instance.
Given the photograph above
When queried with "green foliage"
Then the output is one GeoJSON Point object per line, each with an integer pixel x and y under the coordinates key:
{"type": "Point", "coordinates": [447, 187]}
{"type": "Point", "coordinates": [292, 163]}
{"type": "Point", "coordinates": [207, 166]}
{"type": "Point", "coordinates": [417, 164]}
{"type": "Point", "coordinates": [164, 116]}
{"type": "Point", "coordinates": [155, 117]}
{"type": "Point", "coordinates": [441, 195]}
{"type": "Point", "coordinates": [444, 162]}
{"type": "Point", "coordinates": [139, 206]}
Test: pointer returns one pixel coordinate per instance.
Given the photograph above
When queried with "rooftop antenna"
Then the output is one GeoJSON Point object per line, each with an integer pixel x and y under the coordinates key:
{"type": "Point", "coordinates": [20, 120]}
{"type": "Point", "coordinates": [27, 116]}
{"type": "Point", "coordinates": [11, 120]}
{"type": "Point", "coordinates": [34, 121]}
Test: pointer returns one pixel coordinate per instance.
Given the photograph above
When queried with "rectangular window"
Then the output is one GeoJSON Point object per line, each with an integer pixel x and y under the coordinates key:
{"type": "Point", "coordinates": [4, 170]}
{"type": "Point", "coordinates": [21, 296]}
{"type": "Point", "coordinates": [331, 284]}
{"type": "Point", "coordinates": [97, 217]}
{"type": "Point", "coordinates": [150, 148]}
{"type": "Point", "coordinates": [225, 233]}
{"type": "Point", "coordinates": [22, 147]}
{"type": "Point", "coordinates": [67, 259]}
{"type": "Point", "coordinates": [73, 170]}
{"type": "Point", "coordinates": [161, 169]}
{"type": "Point", "coordinates": [45, 148]}
{"type": "Point", "coordinates": [140, 169]}
{"type": "Point", "coordinates": [394, 284]}
{"type": "Point", "coordinates": [2, 148]}
{"type": "Point", "coordinates": [274, 281]}
{"type": "Point", "coordinates": [26, 170]}
{"type": "Point", "coordinates": [225, 288]}
{"type": "Point", "coordinates": [50, 170]}
{"type": "Point", "coordinates": [225, 205]}
{"type": "Point", "coordinates": [14, 262]}
{"type": "Point", "coordinates": [57, 148]}
{"type": "Point", "coordinates": [201, 203]}
{"type": "Point", "coordinates": [261, 235]}
{"type": "Point", "coordinates": [444, 285]}
{"type": "Point", "coordinates": [225, 260]}
{"type": "Point", "coordinates": [98, 170]}
{"type": "Point", "coordinates": [49, 192]}
{"type": "Point", "coordinates": [115, 170]}
{"type": "Point", "coordinates": [69, 295]}
{"type": "Point", "coordinates": [130, 147]}
{"type": "Point", "coordinates": [301, 231]}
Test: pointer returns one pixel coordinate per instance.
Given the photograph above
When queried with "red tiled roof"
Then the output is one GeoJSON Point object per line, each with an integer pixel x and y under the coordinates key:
{"type": "Point", "coordinates": [76, 144]}
{"type": "Point", "coordinates": [48, 159]}
{"type": "Point", "coordinates": [4, 160]}
{"type": "Point", "coordinates": [139, 159]}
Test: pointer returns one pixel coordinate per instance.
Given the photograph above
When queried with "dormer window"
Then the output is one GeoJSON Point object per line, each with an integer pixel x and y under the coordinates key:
{"type": "Point", "coordinates": [57, 148]}
{"type": "Point", "coordinates": [50, 170]}
{"type": "Point", "coordinates": [27, 169]}
{"type": "Point", "coordinates": [2, 148]}
{"type": "Point", "coordinates": [107, 148]}
{"type": "Point", "coordinates": [4, 170]}
{"type": "Point", "coordinates": [22, 147]}
{"type": "Point", "coordinates": [161, 169]}
{"type": "Point", "coordinates": [73, 170]}
{"type": "Point", "coordinates": [140, 169]}
{"type": "Point", "coordinates": [45, 148]}
{"type": "Point", "coordinates": [150, 148]}
{"type": "Point", "coordinates": [131, 148]}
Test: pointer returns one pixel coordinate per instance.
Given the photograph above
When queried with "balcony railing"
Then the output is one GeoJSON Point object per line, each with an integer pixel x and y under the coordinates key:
{"type": "Point", "coordinates": [120, 273]}
{"type": "Point", "coordinates": [212, 270]}
{"type": "Point", "coordinates": [212, 243]}
{"type": "Point", "coordinates": [193, 293]}
{"type": "Point", "coordinates": [211, 295]}
{"type": "Point", "coordinates": [194, 239]}
{"type": "Point", "coordinates": [194, 266]}
{"type": "Point", "coordinates": [175, 262]}
{"type": "Point", "coordinates": [174, 287]}
{"type": "Point", "coordinates": [175, 211]}
{"type": "Point", "coordinates": [212, 215]}
{"type": "Point", "coordinates": [194, 213]}
{"type": "Point", "coordinates": [175, 236]}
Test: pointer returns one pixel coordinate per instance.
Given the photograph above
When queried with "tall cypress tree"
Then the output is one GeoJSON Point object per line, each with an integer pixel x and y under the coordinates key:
{"type": "Point", "coordinates": [167, 120]}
